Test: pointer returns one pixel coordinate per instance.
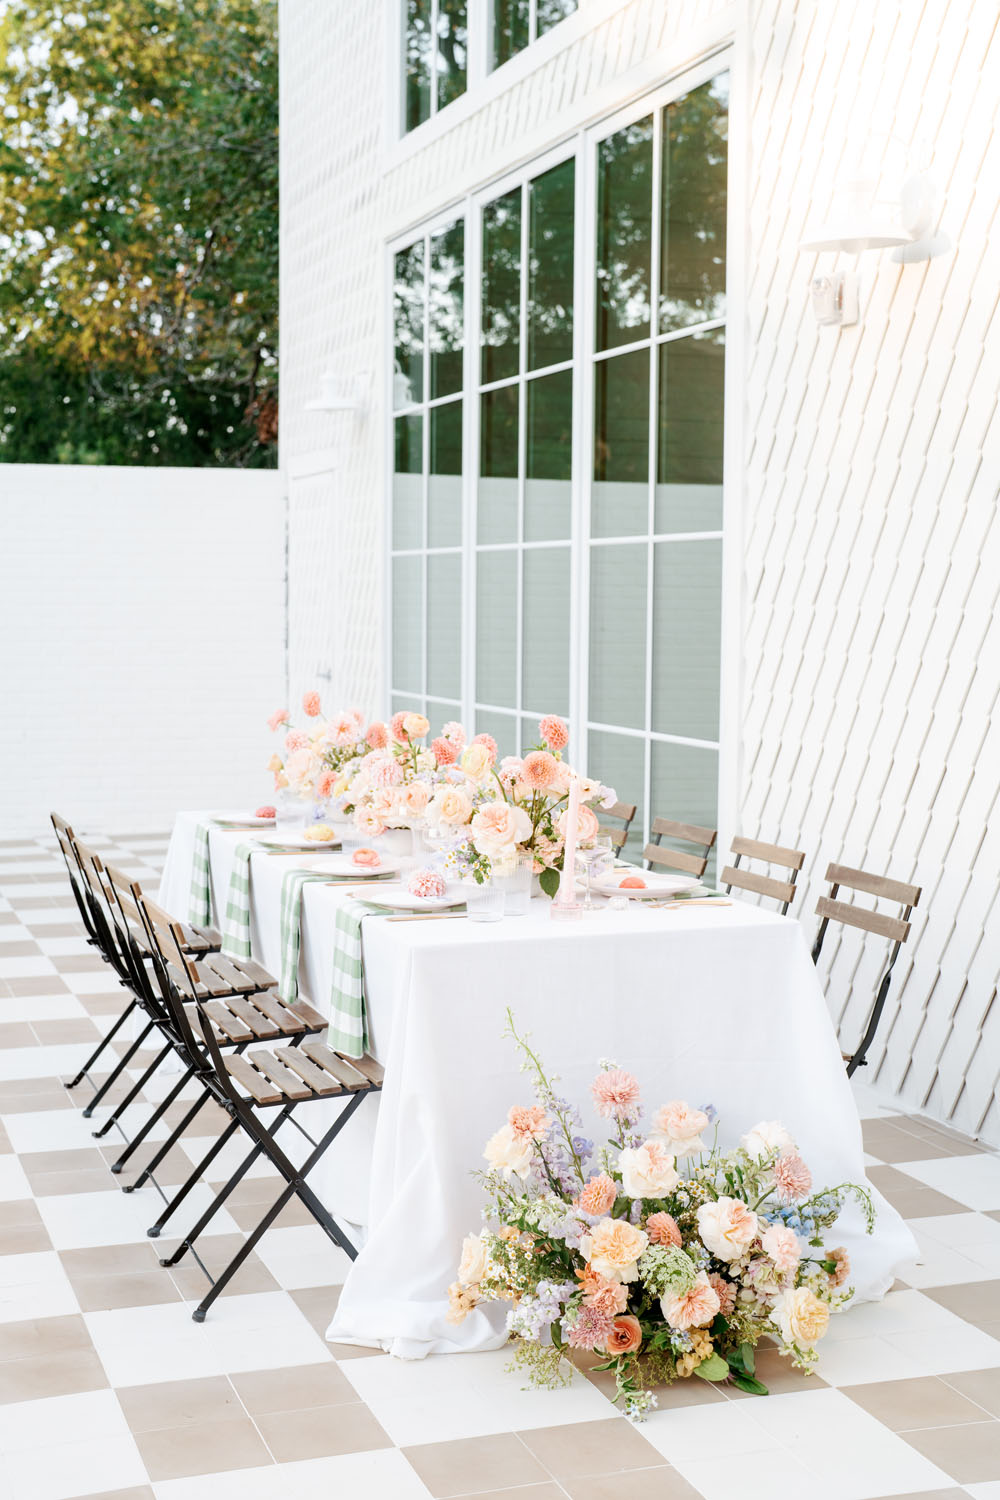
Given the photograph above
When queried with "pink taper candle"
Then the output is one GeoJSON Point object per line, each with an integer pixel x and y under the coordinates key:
{"type": "Point", "coordinates": [567, 885]}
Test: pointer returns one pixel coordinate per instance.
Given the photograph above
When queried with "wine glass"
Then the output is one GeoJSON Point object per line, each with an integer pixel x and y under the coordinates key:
{"type": "Point", "coordinates": [595, 855]}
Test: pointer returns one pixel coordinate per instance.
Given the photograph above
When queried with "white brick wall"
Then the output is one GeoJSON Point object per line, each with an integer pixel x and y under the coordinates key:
{"type": "Point", "coordinates": [868, 715]}
{"type": "Point", "coordinates": [142, 621]}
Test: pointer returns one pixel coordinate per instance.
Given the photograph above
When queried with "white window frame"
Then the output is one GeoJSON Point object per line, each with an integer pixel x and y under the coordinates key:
{"type": "Point", "coordinates": [729, 54]}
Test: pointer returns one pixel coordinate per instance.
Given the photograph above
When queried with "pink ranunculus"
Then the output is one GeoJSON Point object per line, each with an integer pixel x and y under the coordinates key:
{"type": "Point", "coordinates": [343, 730]}
{"type": "Point", "coordinates": [310, 703]}
{"type": "Point", "coordinates": [662, 1229]}
{"type": "Point", "coordinates": [490, 744]}
{"type": "Point", "coordinates": [598, 1197]}
{"type": "Point", "coordinates": [539, 770]}
{"type": "Point", "coordinates": [625, 1336]}
{"type": "Point", "coordinates": [694, 1308]}
{"type": "Point", "coordinates": [444, 752]}
{"type": "Point", "coordinates": [781, 1244]}
{"type": "Point", "coordinates": [528, 1119]}
{"type": "Point", "coordinates": [396, 728]}
{"type": "Point", "coordinates": [368, 822]}
{"type": "Point", "coordinates": [554, 732]}
{"type": "Point", "coordinates": [266, 812]}
{"type": "Point", "coordinates": [792, 1178]}
{"type": "Point", "coordinates": [454, 732]}
{"type": "Point", "coordinates": [415, 726]}
{"type": "Point", "coordinates": [377, 735]}
{"type": "Point", "coordinates": [280, 716]}
{"type": "Point", "coordinates": [615, 1092]}
{"type": "Point", "coordinates": [325, 784]}
{"type": "Point", "coordinates": [296, 739]}
{"type": "Point", "coordinates": [590, 1329]}
{"type": "Point", "coordinates": [587, 826]}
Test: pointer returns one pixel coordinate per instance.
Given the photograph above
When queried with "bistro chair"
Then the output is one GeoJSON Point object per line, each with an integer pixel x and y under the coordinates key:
{"type": "Point", "coordinates": [625, 811]}
{"type": "Point", "coordinates": [782, 891]}
{"type": "Point", "coordinates": [895, 928]}
{"type": "Point", "coordinates": [687, 861]}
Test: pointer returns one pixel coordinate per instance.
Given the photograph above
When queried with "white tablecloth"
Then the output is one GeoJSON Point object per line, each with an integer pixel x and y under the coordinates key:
{"type": "Point", "coordinates": [717, 1006]}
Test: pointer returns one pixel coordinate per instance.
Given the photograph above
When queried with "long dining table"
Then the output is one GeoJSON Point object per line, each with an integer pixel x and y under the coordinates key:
{"type": "Point", "coordinates": [713, 1004]}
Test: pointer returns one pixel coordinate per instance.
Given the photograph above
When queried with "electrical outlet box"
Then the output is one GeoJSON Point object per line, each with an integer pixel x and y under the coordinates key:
{"type": "Point", "coordinates": [835, 298]}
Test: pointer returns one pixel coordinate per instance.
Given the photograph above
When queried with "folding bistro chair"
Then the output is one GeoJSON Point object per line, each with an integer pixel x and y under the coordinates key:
{"type": "Point", "coordinates": [895, 928]}
{"type": "Point", "coordinates": [782, 891]}
{"type": "Point", "coordinates": [669, 858]}
{"type": "Point", "coordinates": [619, 836]}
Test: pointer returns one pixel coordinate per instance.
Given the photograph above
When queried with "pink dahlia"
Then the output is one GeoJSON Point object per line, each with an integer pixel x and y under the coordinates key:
{"type": "Point", "coordinates": [444, 751]}
{"type": "Point", "coordinates": [491, 745]}
{"type": "Point", "coordinates": [324, 786]}
{"type": "Point", "coordinates": [539, 770]}
{"type": "Point", "coordinates": [296, 739]}
{"type": "Point", "coordinates": [310, 702]}
{"type": "Point", "coordinates": [280, 716]}
{"type": "Point", "coordinates": [454, 732]}
{"type": "Point", "coordinates": [662, 1229]}
{"type": "Point", "coordinates": [792, 1178]}
{"type": "Point", "coordinates": [554, 732]}
{"type": "Point", "coordinates": [615, 1092]}
{"type": "Point", "coordinates": [377, 735]}
{"type": "Point", "coordinates": [396, 729]}
{"type": "Point", "coordinates": [385, 773]}
{"type": "Point", "coordinates": [598, 1197]}
{"type": "Point", "coordinates": [591, 1329]}
{"type": "Point", "coordinates": [528, 1120]}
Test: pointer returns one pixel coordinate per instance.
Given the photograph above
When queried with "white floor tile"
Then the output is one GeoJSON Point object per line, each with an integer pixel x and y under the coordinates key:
{"type": "Point", "coordinates": [380, 1475]}
{"type": "Point", "coordinates": [861, 1361]}
{"type": "Point", "coordinates": [988, 1491]}
{"type": "Point", "coordinates": [972, 1180]}
{"type": "Point", "coordinates": [31, 967]}
{"type": "Point", "coordinates": [302, 1256]}
{"type": "Point", "coordinates": [41, 916]}
{"type": "Point", "coordinates": [65, 947]}
{"type": "Point", "coordinates": [263, 1331]}
{"type": "Point", "coordinates": [774, 1473]}
{"type": "Point", "coordinates": [689, 1432]}
{"type": "Point", "coordinates": [13, 932]}
{"type": "Point", "coordinates": [50, 1129]}
{"type": "Point", "coordinates": [228, 1159]}
{"type": "Point", "coordinates": [40, 1008]}
{"type": "Point", "coordinates": [99, 982]}
{"type": "Point", "coordinates": [13, 1182]}
{"type": "Point", "coordinates": [34, 1286]}
{"type": "Point", "coordinates": [43, 1062]}
{"type": "Point", "coordinates": [961, 1232]}
{"type": "Point", "coordinates": [956, 1347]}
{"type": "Point", "coordinates": [898, 1312]}
{"type": "Point", "coordinates": [79, 1221]}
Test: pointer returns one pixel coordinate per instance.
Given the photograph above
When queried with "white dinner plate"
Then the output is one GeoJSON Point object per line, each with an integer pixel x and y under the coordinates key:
{"type": "Point", "coordinates": [342, 864]}
{"type": "Point", "coordinates": [657, 885]}
{"type": "Point", "coordinates": [395, 895]}
{"type": "Point", "coordinates": [245, 820]}
{"type": "Point", "coordinates": [296, 841]}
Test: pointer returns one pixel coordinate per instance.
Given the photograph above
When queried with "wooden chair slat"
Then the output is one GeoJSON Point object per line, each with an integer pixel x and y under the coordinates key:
{"type": "Point", "coordinates": [290, 1084]}
{"type": "Point", "coordinates": [257, 1086]}
{"type": "Point", "coordinates": [691, 833]}
{"type": "Point", "coordinates": [256, 973]}
{"type": "Point", "coordinates": [675, 859]}
{"type": "Point", "coordinates": [860, 916]}
{"type": "Point", "coordinates": [200, 939]}
{"type": "Point", "coordinates": [760, 885]}
{"type": "Point", "coordinates": [283, 1016]}
{"type": "Point", "coordinates": [343, 1071]}
{"type": "Point", "coordinates": [318, 1079]}
{"type": "Point", "coordinates": [306, 1013]}
{"type": "Point", "coordinates": [229, 1024]}
{"type": "Point", "coordinates": [874, 885]}
{"type": "Point", "coordinates": [230, 973]}
{"type": "Point", "coordinates": [624, 810]}
{"type": "Point", "coordinates": [261, 1026]}
{"type": "Point", "coordinates": [617, 837]}
{"type": "Point", "coordinates": [372, 1070]}
{"type": "Point", "coordinates": [792, 859]}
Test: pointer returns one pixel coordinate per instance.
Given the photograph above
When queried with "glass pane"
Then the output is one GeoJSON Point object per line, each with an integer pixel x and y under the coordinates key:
{"type": "Point", "coordinates": [497, 503]}
{"type": "Point", "coordinates": [446, 309]}
{"type": "Point", "coordinates": [550, 268]}
{"type": "Point", "coordinates": [551, 12]}
{"type": "Point", "coordinates": [510, 29]}
{"type": "Point", "coordinates": [690, 432]}
{"type": "Point", "coordinates": [549, 458]}
{"type": "Point", "coordinates": [501, 286]}
{"type": "Point", "coordinates": [545, 657]}
{"type": "Point", "coordinates": [408, 384]}
{"type": "Point", "coordinates": [687, 610]}
{"type": "Point", "coordinates": [503, 728]}
{"type": "Point", "coordinates": [618, 635]}
{"type": "Point", "coordinates": [684, 785]}
{"type": "Point", "coordinates": [496, 629]}
{"type": "Point", "coordinates": [620, 500]}
{"type": "Point", "coordinates": [407, 484]}
{"type": "Point", "coordinates": [620, 761]}
{"type": "Point", "coordinates": [444, 626]}
{"type": "Point", "coordinates": [407, 624]}
{"type": "Point", "coordinates": [624, 233]}
{"type": "Point", "coordinates": [444, 486]}
{"type": "Point", "coordinates": [693, 212]}
{"type": "Point", "coordinates": [405, 704]}
{"type": "Point", "coordinates": [452, 50]}
{"type": "Point", "coordinates": [418, 61]}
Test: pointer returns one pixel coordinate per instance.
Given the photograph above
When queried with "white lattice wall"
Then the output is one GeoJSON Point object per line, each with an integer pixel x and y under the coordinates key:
{"type": "Point", "coordinates": [872, 547]}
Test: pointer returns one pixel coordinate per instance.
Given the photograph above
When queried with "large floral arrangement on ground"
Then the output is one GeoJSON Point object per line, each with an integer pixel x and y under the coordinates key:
{"type": "Point", "coordinates": [663, 1254]}
{"type": "Point", "coordinates": [315, 759]}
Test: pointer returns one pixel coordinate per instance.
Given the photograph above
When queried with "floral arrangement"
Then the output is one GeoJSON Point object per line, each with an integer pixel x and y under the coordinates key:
{"type": "Point", "coordinates": [316, 758]}
{"type": "Point", "coordinates": [663, 1255]}
{"type": "Point", "coordinates": [403, 783]}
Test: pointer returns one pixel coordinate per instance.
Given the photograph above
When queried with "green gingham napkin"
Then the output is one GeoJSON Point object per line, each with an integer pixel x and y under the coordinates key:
{"type": "Point", "coordinates": [236, 925]}
{"type": "Point", "coordinates": [291, 930]}
{"type": "Point", "coordinates": [348, 1031]}
{"type": "Point", "coordinates": [200, 901]}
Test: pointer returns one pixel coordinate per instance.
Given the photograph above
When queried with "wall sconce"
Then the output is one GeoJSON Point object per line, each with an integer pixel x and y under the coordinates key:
{"type": "Point", "coordinates": [338, 395]}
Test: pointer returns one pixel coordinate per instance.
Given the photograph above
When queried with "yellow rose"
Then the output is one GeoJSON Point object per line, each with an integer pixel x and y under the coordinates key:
{"type": "Point", "coordinates": [476, 761]}
{"type": "Point", "coordinates": [472, 1266]}
{"type": "Point", "coordinates": [801, 1316]}
{"type": "Point", "coordinates": [613, 1247]}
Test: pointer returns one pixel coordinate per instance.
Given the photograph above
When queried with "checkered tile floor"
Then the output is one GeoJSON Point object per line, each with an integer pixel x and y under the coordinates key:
{"type": "Point", "coordinates": [107, 1388]}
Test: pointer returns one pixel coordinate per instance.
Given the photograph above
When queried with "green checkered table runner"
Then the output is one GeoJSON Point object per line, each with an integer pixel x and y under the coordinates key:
{"type": "Point", "coordinates": [291, 930]}
{"type": "Point", "coordinates": [348, 1031]}
{"type": "Point", "coordinates": [200, 900]}
{"type": "Point", "coordinates": [236, 923]}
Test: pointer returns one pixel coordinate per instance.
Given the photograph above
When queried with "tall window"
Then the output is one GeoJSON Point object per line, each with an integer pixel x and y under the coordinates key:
{"type": "Point", "coordinates": [559, 455]}
{"type": "Point", "coordinates": [436, 44]}
{"type": "Point", "coordinates": [518, 23]}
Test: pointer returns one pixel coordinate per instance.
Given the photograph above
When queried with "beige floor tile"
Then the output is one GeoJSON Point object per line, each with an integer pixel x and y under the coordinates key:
{"type": "Point", "coordinates": [79, 963]}
{"type": "Point", "coordinates": [109, 1260]}
{"type": "Point", "coordinates": [15, 1088]}
{"type": "Point", "coordinates": [180, 1403]}
{"type": "Point", "coordinates": [111, 1004]}
{"type": "Point", "coordinates": [5, 1146]}
{"type": "Point", "coordinates": [37, 1338]}
{"type": "Point", "coordinates": [470, 1465]}
{"type": "Point", "coordinates": [207, 1448]}
{"type": "Point", "coordinates": [779, 1375]}
{"type": "Point", "coordinates": [216, 1251]}
{"type": "Point", "coordinates": [38, 1163]}
{"type": "Point", "coordinates": [970, 1454]}
{"type": "Point", "coordinates": [548, 1490]}
{"type": "Point", "coordinates": [978, 1302]}
{"type": "Point", "coordinates": [141, 1289]}
{"type": "Point", "coordinates": [321, 1432]}
{"type": "Point", "coordinates": [138, 1492]}
{"type": "Point", "coordinates": [45, 1375]}
{"type": "Point", "coordinates": [259, 1190]}
{"type": "Point", "coordinates": [16, 1034]}
{"type": "Point", "coordinates": [24, 948]}
{"type": "Point", "coordinates": [52, 1097]}
{"type": "Point", "coordinates": [916, 1202]}
{"type": "Point", "coordinates": [639, 1484]}
{"type": "Point", "coordinates": [265, 1391]}
{"type": "Point", "coordinates": [56, 1184]}
{"type": "Point", "coordinates": [24, 1239]}
{"type": "Point", "coordinates": [907, 1405]}
{"type": "Point", "coordinates": [891, 1144]}
{"type": "Point", "coordinates": [573, 1450]}
{"type": "Point", "coordinates": [318, 1304]}
{"type": "Point", "coordinates": [18, 1211]}
{"type": "Point", "coordinates": [38, 984]}
{"type": "Point", "coordinates": [59, 930]}
{"type": "Point", "coordinates": [72, 1029]}
{"type": "Point", "coordinates": [249, 1215]}
{"type": "Point", "coordinates": [980, 1386]}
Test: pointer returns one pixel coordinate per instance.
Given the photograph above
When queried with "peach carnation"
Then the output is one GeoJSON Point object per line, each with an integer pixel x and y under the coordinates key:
{"type": "Point", "coordinates": [296, 739]}
{"type": "Point", "coordinates": [366, 859]}
{"type": "Point", "coordinates": [615, 1092]}
{"type": "Point", "coordinates": [454, 733]}
{"type": "Point", "coordinates": [662, 1229]}
{"type": "Point", "coordinates": [680, 1127]}
{"type": "Point", "coordinates": [610, 1297]}
{"type": "Point", "coordinates": [528, 1119]}
{"type": "Point", "coordinates": [842, 1266]}
{"type": "Point", "coordinates": [490, 744]}
{"type": "Point", "coordinates": [444, 752]}
{"type": "Point", "coordinates": [781, 1245]}
{"type": "Point", "coordinates": [325, 784]}
{"type": "Point", "coordinates": [694, 1308]}
{"type": "Point", "coordinates": [554, 732]}
{"type": "Point", "coordinates": [539, 770]}
{"type": "Point", "coordinates": [598, 1197]}
{"type": "Point", "coordinates": [377, 735]}
{"type": "Point", "coordinates": [385, 773]}
{"type": "Point", "coordinates": [280, 716]}
{"type": "Point", "coordinates": [792, 1178]}
{"type": "Point", "coordinates": [725, 1291]}
{"type": "Point", "coordinates": [625, 1336]}
{"type": "Point", "coordinates": [396, 728]}
{"type": "Point", "coordinates": [430, 885]}
{"type": "Point", "coordinates": [310, 703]}
{"type": "Point", "coordinates": [727, 1227]}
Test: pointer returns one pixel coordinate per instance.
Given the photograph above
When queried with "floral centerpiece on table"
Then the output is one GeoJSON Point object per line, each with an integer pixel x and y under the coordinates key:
{"type": "Point", "coordinates": [404, 783]}
{"type": "Point", "coordinates": [665, 1256]}
{"type": "Point", "coordinates": [316, 758]}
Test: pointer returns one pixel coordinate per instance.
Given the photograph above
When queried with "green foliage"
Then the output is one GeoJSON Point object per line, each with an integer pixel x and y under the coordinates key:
{"type": "Point", "coordinates": [139, 232]}
{"type": "Point", "coordinates": [549, 881]}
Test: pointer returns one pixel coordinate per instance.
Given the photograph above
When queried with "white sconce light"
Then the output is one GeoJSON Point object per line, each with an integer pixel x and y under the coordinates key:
{"type": "Point", "coordinates": [919, 209]}
{"type": "Point", "coordinates": [337, 395]}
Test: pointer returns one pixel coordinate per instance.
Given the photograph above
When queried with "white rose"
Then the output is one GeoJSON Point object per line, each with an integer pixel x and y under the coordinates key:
{"type": "Point", "coordinates": [498, 826]}
{"type": "Point", "coordinates": [472, 1266]}
{"type": "Point", "coordinates": [508, 1152]}
{"type": "Point", "coordinates": [727, 1227]}
{"type": "Point", "coordinates": [801, 1316]}
{"type": "Point", "coordinates": [450, 804]}
{"type": "Point", "coordinates": [648, 1171]}
{"type": "Point", "coordinates": [476, 761]}
{"type": "Point", "coordinates": [767, 1137]}
{"type": "Point", "coordinates": [679, 1127]}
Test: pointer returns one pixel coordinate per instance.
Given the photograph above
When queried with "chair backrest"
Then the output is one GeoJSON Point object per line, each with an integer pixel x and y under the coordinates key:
{"type": "Point", "coordinates": [626, 812]}
{"type": "Point", "coordinates": [782, 891]}
{"type": "Point", "coordinates": [77, 879]}
{"type": "Point", "coordinates": [96, 895]}
{"type": "Point", "coordinates": [690, 863]}
{"type": "Point", "coordinates": [176, 971]}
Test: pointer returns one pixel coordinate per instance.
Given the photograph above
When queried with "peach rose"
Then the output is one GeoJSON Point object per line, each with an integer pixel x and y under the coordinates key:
{"type": "Point", "coordinates": [727, 1227]}
{"type": "Point", "coordinates": [801, 1316]}
{"type": "Point", "coordinates": [679, 1127]}
{"type": "Point", "coordinates": [613, 1247]}
{"type": "Point", "coordinates": [498, 826]}
{"type": "Point", "coordinates": [694, 1308]}
{"type": "Point", "coordinates": [450, 804]}
{"type": "Point", "coordinates": [476, 761]}
{"type": "Point", "coordinates": [413, 799]}
{"type": "Point", "coordinates": [587, 826]}
{"type": "Point", "coordinates": [625, 1336]}
{"type": "Point", "coordinates": [415, 726]}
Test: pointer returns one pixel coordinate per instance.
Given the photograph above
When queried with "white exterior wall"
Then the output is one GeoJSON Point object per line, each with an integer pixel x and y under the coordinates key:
{"type": "Point", "coordinates": [865, 729]}
{"type": "Point", "coordinates": [142, 619]}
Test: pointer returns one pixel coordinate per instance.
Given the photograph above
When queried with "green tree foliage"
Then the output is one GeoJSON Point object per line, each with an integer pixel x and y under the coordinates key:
{"type": "Point", "coordinates": [139, 232]}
